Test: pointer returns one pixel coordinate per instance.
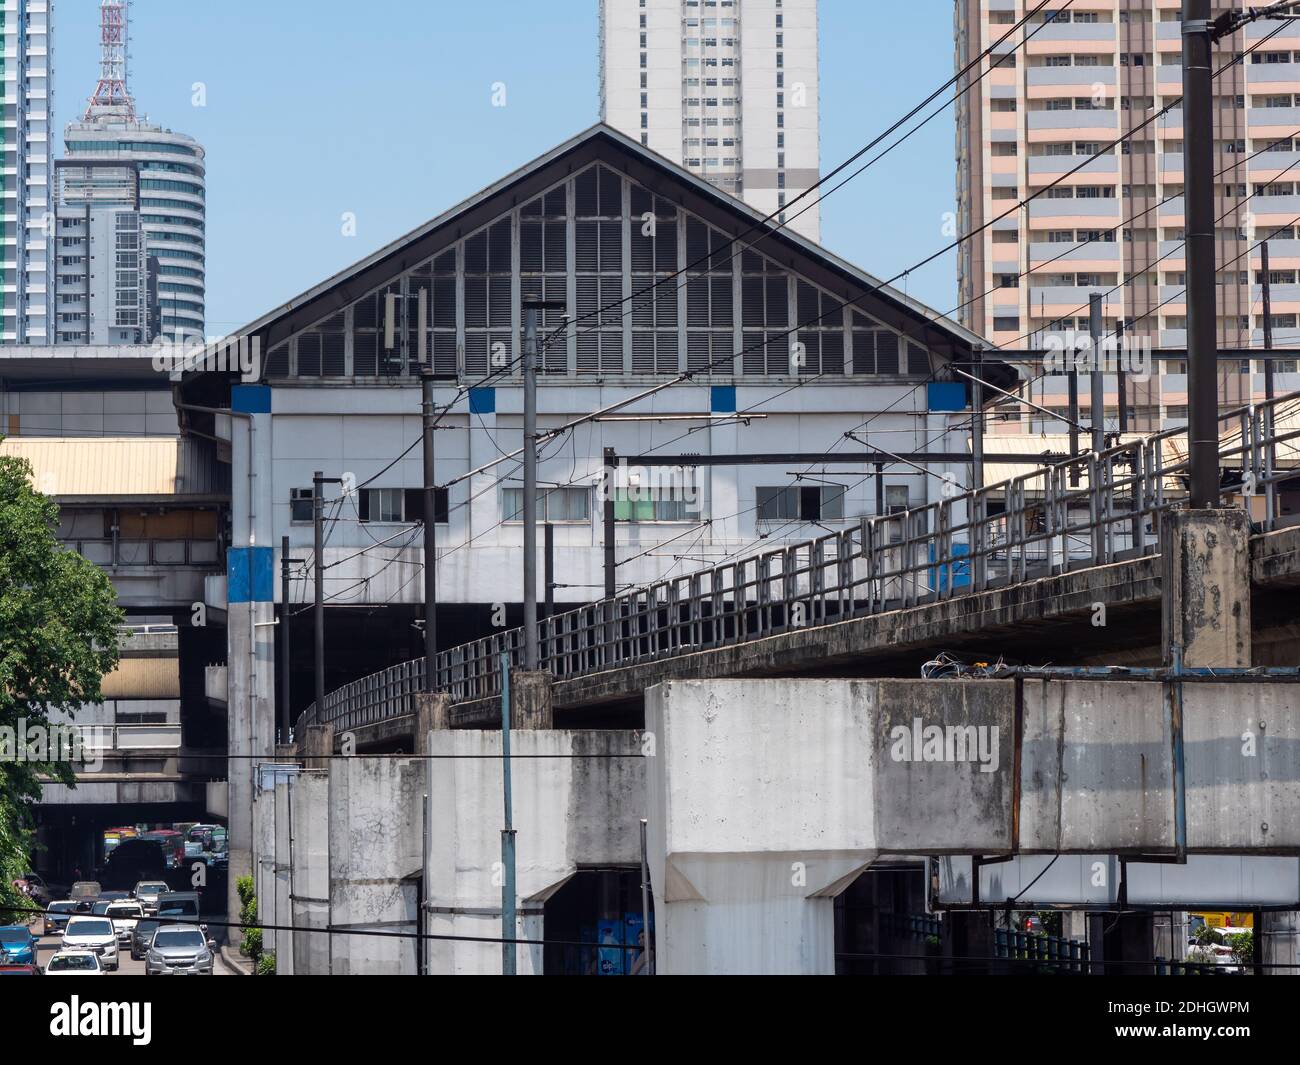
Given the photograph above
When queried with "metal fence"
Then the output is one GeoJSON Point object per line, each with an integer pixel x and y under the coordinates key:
{"type": "Point", "coordinates": [1086, 511]}
{"type": "Point", "coordinates": [1032, 949]}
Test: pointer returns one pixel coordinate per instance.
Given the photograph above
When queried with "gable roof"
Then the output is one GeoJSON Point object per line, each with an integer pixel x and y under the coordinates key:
{"type": "Point", "coordinates": [601, 143]}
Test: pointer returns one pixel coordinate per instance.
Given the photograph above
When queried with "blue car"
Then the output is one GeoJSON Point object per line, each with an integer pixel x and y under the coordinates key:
{"type": "Point", "coordinates": [17, 947]}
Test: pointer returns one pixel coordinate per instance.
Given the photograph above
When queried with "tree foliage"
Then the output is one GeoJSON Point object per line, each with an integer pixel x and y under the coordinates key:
{"type": "Point", "coordinates": [58, 638]}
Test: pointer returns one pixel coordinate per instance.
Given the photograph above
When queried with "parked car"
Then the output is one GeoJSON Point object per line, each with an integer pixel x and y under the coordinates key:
{"type": "Point", "coordinates": [17, 947]}
{"type": "Point", "coordinates": [20, 970]}
{"type": "Point", "coordinates": [74, 963]}
{"type": "Point", "coordinates": [142, 937]}
{"type": "Point", "coordinates": [124, 916]}
{"type": "Point", "coordinates": [146, 894]}
{"type": "Point", "coordinates": [58, 913]}
{"type": "Point", "coordinates": [94, 934]}
{"type": "Point", "coordinates": [180, 950]}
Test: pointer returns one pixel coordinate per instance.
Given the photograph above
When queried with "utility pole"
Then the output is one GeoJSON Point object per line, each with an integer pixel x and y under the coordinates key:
{"type": "Point", "coordinates": [1098, 400]}
{"type": "Point", "coordinates": [285, 656]}
{"type": "Point", "coordinates": [532, 311]}
{"type": "Point", "coordinates": [318, 479]}
{"type": "Point", "coordinates": [1121, 376]}
{"type": "Point", "coordinates": [609, 522]}
{"type": "Point", "coordinates": [1073, 380]}
{"type": "Point", "coordinates": [1268, 365]}
{"type": "Point", "coordinates": [509, 923]}
{"type": "Point", "coordinates": [1202, 352]}
{"type": "Point", "coordinates": [430, 531]}
{"type": "Point", "coordinates": [977, 423]}
{"type": "Point", "coordinates": [548, 574]}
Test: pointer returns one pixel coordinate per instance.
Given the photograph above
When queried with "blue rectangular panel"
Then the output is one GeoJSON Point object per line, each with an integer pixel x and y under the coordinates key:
{"type": "Point", "coordinates": [723, 399]}
{"type": "Point", "coordinates": [482, 400]}
{"type": "Point", "coordinates": [251, 399]}
{"type": "Point", "coordinates": [249, 573]}
{"type": "Point", "coordinates": [947, 395]}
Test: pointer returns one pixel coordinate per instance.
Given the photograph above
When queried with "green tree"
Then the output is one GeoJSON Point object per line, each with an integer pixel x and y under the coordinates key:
{"type": "Point", "coordinates": [58, 638]}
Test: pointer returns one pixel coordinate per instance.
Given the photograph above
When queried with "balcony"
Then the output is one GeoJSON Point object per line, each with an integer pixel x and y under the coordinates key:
{"type": "Point", "coordinates": [1076, 31]}
{"type": "Point", "coordinates": [1273, 116]}
{"type": "Point", "coordinates": [1059, 164]}
{"type": "Point", "coordinates": [1084, 119]}
{"type": "Point", "coordinates": [1097, 250]}
{"type": "Point", "coordinates": [1070, 295]}
{"type": "Point", "coordinates": [1265, 73]}
{"type": "Point", "coordinates": [1105, 208]}
{"type": "Point", "coordinates": [1285, 205]}
{"type": "Point", "coordinates": [1277, 293]}
{"type": "Point", "coordinates": [1273, 161]}
{"type": "Point", "coordinates": [1073, 76]}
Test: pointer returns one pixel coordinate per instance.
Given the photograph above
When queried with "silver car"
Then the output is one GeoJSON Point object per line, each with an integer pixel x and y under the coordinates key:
{"type": "Point", "coordinates": [179, 950]}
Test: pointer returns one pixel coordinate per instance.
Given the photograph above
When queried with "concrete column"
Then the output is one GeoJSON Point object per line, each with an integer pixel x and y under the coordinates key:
{"type": "Point", "coordinates": [531, 705]}
{"type": "Point", "coordinates": [1206, 580]}
{"type": "Point", "coordinates": [317, 745]}
{"type": "Point", "coordinates": [250, 592]}
{"type": "Point", "coordinates": [1280, 935]}
{"type": "Point", "coordinates": [375, 828]}
{"type": "Point", "coordinates": [309, 858]}
{"type": "Point", "coordinates": [432, 714]}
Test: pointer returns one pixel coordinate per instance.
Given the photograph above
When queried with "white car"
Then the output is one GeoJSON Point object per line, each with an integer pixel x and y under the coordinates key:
{"type": "Point", "coordinates": [95, 934]}
{"type": "Point", "coordinates": [74, 963]}
{"type": "Point", "coordinates": [124, 916]}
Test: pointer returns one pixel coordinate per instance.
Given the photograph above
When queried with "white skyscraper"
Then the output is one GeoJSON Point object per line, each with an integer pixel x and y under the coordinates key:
{"type": "Point", "coordinates": [726, 88]}
{"type": "Point", "coordinates": [132, 217]}
{"type": "Point", "coordinates": [26, 201]}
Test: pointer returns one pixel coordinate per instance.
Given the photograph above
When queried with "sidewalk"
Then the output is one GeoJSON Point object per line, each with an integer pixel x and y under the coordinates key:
{"type": "Point", "coordinates": [234, 963]}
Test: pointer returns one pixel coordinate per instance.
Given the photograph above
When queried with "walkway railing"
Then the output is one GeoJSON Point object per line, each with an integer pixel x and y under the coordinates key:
{"type": "Point", "coordinates": [1086, 511]}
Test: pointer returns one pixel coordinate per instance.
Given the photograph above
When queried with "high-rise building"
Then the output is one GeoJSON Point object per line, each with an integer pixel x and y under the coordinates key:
{"type": "Point", "coordinates": [132, 218]}
{"type": "Point", "coordinates": [1079, 83]}
{"type": "Point", "coordinates": [726, 88]}
{"type": "Point", "coordinates": [26, 200]}
{"type": "Point", "coordinates": [1055, 96]}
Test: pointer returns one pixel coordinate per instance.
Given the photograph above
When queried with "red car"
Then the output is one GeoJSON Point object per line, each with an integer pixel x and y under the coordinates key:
{"type": "Point", "coordinates": [19, 970]}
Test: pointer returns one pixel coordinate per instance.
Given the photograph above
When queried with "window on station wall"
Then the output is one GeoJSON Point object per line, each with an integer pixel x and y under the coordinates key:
{"type": "Point", "coordinates": [876, 350]}
{"type": "Point", "coordinates": [277, 361]}
{"type": "Point", "coordinates": [765, 316]}
{"type": "Point", "coordinates": [543, 271]}
{"type": "Point", "coordinates": [488, 308]}
{"type": "Point", "coordinates": [801, 502]}
{"type": "Point", "coordinates": [321, 350]}
{"type": "Point", "coordinates": [568, 504]}
{"type": "Point", "coordinates": [654, 245]}
{"type": "Point", "coordinates": [377, 332]}
{"type": "Point", "coordinates": [598, 257]}
{"type": "Point", "coordinates": [710, 306]}
{"type": "Point", "coordinates": [400, 506]}
{"type": "Point", "coordinates": [821, 336]}
{"type": "Point", "coordinates": [430, 300]}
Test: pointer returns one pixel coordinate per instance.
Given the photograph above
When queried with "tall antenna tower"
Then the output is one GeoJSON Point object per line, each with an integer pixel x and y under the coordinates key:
{"type": "Point", "coordinates": [111, 96]}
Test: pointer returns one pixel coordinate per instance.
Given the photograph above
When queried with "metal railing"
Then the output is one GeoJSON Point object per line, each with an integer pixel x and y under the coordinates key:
{"type": "Point", "coordinates": [1086, 511]}
{"type": "Point", "coordinates": [1054, 953]}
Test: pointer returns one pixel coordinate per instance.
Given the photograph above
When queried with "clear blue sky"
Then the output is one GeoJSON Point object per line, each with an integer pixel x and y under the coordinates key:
{"type": "Point", "coordinates": [382, 108]}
